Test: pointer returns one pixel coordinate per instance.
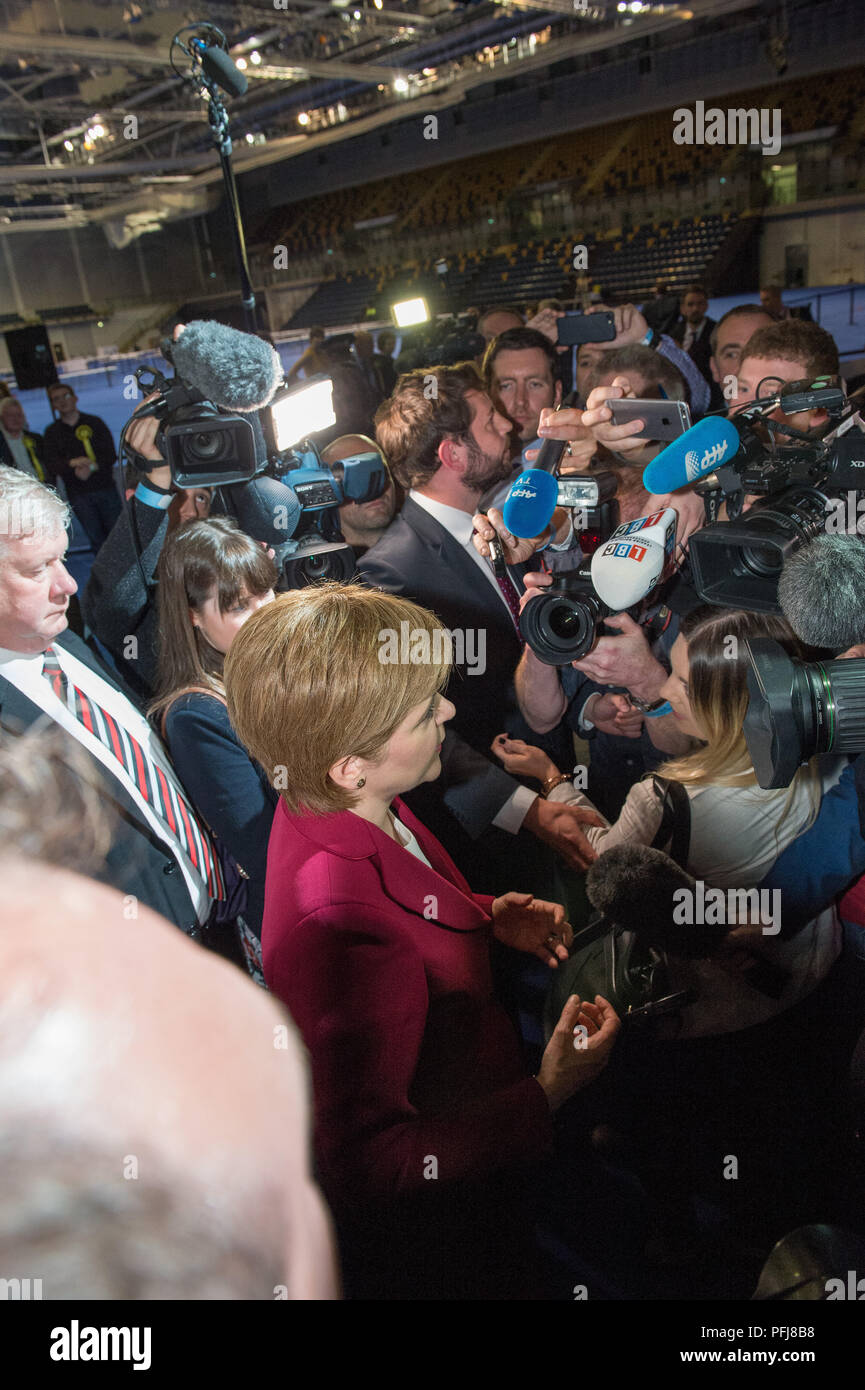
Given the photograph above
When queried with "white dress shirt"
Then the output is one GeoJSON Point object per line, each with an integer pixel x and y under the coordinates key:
{"type": "Point", "coordinates": [458, 524]}
{"type": "Point", "coordinates": [25, 673]}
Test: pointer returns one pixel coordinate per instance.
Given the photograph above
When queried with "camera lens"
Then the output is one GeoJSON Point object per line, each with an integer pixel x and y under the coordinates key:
{"type": "Point", "coordinates": [561, 627]}
{"type": "Point", "coordinates": [205, 446]}
{"type": "Point", "coordinates": [762, 560]}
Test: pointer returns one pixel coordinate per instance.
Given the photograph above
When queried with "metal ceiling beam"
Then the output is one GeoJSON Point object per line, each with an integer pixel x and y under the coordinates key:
{"type": "Point", "coordinates": [128, 55]}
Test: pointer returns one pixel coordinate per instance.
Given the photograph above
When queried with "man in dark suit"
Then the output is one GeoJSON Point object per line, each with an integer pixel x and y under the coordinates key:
{"type": "Point", "coordinates": [772, 302]}
{"type": "Point", "coordinates": [19, 447]}
{"type": "Point", "coordinates": [694, 329]}
{"type": "Point", "coordinates": [160, 854]}
{"type": "Point", "coordinates": [446, 443]}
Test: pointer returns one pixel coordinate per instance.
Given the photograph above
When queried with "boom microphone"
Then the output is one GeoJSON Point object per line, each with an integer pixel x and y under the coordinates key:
{"type": "Point", "coordinates": [635, 886]}
{"type": "Point", "coordinates": [822, 592]}
{"type": "Point", "coordinates": [700, 450]}
{"type": "Point", "coordinates": [235, 370]}
{"type": "Point", "coordinates": [218, 66]}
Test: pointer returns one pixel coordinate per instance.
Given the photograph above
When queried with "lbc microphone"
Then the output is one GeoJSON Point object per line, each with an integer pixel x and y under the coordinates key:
{"type": "Point", "coordinates": [822, 592]}
{"type": "Point", "coordinates": [234, 370]}
{"type": "Point", "coordinates": [706, 446]}
{"type": "Point", "coordinates": [635, 558]}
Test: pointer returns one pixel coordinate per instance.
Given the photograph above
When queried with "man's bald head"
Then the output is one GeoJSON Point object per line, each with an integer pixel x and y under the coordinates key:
{"type": "Point", "coordinates": [145, 1083]}
{"type": "Point", "coordinates": [361, 522]}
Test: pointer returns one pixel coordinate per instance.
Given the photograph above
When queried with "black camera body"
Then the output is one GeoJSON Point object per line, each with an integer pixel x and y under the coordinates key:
{"type": "Point", "coordinates": [202, 445]}
{"type": "Point", "coordinates": [737, 563]}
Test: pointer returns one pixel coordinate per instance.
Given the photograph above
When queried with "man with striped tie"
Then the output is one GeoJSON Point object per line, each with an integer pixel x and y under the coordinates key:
{"type": "Point", "coordinates": [161, 853]}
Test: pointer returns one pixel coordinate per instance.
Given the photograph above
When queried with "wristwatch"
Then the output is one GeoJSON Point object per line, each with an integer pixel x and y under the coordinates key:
{"type": "Point", "coordinates": [654, 708]}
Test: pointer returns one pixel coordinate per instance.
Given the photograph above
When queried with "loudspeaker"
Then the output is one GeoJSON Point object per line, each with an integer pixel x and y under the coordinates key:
{"type": "Point", "coordinates": [30, 353]}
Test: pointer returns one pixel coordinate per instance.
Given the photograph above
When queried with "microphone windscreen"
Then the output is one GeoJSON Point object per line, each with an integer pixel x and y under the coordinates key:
{"type": "Point", "coordinates": [625, 575]}
{"type": "Point", "coordinates": [822, 592]}
{"type": "Point", "coordinates": [645, 891]}
{"type": "Point", "coordinates": [530, 503]}
{"type": "Point", "coordinates": [698, 452]}
{"type": "Point", "coordinates": [232, 369]}
{"type": "Point", "coordinates": [266, 509]}
{"type": "Point", "coordinates": [221, 68]}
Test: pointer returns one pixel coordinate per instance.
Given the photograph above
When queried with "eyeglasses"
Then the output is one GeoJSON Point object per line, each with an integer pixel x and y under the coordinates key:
{"type": "Point", "coordinates": [63, 396]}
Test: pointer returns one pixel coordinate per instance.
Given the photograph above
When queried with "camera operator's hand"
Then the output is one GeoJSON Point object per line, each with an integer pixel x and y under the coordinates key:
{"type": "Point", "coordinates": [597, 415]}
{"type": "Point", "coordinates": [626, 660]}
{"type": "Point", "coordinates": [535, 581]}
{"type": "Point", "coordinates": [852, 652]}
{"type": "Point", "coordinates": [579, 1049]}
{"type": "Point", "coordinates": [141, 436]}
{"type": "Point", "coordinates": [558, 825]}
{"type": "Point", "coordinates": [630, 325]}
{"type": "Point", "coordinates": [614, 714]}
{"type": "Point", "coordinates": [516, 550]}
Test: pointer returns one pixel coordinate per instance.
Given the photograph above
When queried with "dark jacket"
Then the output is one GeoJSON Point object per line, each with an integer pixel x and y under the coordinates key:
{"type": "Point", "coordinates": [229, 791]}
{"type": "Point", "coordinates": [37, 444]}
{"type": "Point", "coordinates": [63, 442]}
{"type": "Point", "coordinates": [700, 351]}
{"type": "Point", "coordinates": [119, 602]}
{"type": "Point", "coordinates": [138, 864]}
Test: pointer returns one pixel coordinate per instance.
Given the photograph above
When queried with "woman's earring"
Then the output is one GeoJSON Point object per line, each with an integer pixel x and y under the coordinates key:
{"type": "Point", "coordinates": [361, 782]}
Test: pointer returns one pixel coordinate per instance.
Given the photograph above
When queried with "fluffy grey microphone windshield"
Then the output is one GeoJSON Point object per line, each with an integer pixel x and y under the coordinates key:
{"type": "Point", "coordinates": [640, 889]}
{"type": "Point", "coordinates": [235, 370]}
{"type": "Point", "coordinates": [822, 592]}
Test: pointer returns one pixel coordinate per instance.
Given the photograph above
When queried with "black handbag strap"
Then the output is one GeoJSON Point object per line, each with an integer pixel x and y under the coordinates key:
{"type": "Point", "coordinates": [675, 824]}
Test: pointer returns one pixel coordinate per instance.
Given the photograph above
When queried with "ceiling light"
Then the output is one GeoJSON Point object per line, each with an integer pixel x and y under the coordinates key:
{"type": "Point", "coordinates": [241, 63]}
{"type": "Point", "coordinates": [68, 145]}
{"type": "Point", "coordinates": [255, 57]}
{"type": "Point", "coordinates": [357, 14]}
{"type": "Point", "coordinates": [250, 138]}
{"type": "Point", "coordinates": [378, 4]}
{"type": "Point", "coordinates": [400, 85]}
{"type": "Point", "coordinates": [303, 118]}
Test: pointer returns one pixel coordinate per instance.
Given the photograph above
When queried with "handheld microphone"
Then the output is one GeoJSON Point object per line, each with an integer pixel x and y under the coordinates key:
{"type": "Point", "coordinates": [218, 66]}
{"type": "Point", "coordinates": [707, 445]}
{"type": "Point", "coordinates": [530, 504]}
{"type": "Point", "coordinates": [234, 370]}
{"type": "Point", "coordinates": [822, 592]}
{"type": "Point", "coordinates": [634, 559]}
{"type": "Point", "coordinates": [267, 509]}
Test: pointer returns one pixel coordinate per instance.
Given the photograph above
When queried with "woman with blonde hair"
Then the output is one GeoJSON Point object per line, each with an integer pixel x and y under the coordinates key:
{"type": "Point", "coordinates": [379, 948]}
{"type": "Point", "coordinates": [737, 829]}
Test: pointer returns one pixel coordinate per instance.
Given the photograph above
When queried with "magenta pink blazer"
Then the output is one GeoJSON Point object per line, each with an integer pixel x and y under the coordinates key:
{"type": "Point", "coordinates": [384, 965]}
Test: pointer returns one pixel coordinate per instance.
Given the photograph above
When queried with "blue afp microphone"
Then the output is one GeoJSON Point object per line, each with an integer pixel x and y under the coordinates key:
{"type": "Point", "coordinates": [699, 451]}
{"type": "Point", "coordinates": [530, 504]}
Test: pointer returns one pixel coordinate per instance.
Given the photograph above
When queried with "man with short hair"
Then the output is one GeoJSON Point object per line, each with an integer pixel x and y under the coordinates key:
{"type": "Point", "coordinates": [695, 328]}
{"type": "Point", "coordinates": [783, 352]}
{"type": "Point", "coordinates": [448, 446]}
{"type": "Point", "coordinates": [773, 304]}
{"type": "Point", "coordinates": [498, 319]}
{"type": "Point", "coordinates": [19, 447]}
{"type": "Point", "coordinates": [383, 359]}
{"type": "Point", "coordinates": [361, 523]}
{"type": "Point", "coordinates": [523, 376]}
{"type": "Point", "coordinates": [79, 450]}
{"type": "Point", "coordinates": [160, 854]}
{"type": "Point", "coordinates": [727, 341]}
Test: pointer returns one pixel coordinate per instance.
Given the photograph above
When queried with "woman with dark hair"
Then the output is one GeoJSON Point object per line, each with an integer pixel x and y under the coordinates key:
{"type": "Point", "coordinates": [212, 577]}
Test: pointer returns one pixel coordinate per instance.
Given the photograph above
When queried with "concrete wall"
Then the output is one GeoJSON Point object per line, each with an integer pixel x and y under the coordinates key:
{"type": "Point", "coordinates": [835, 240]}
